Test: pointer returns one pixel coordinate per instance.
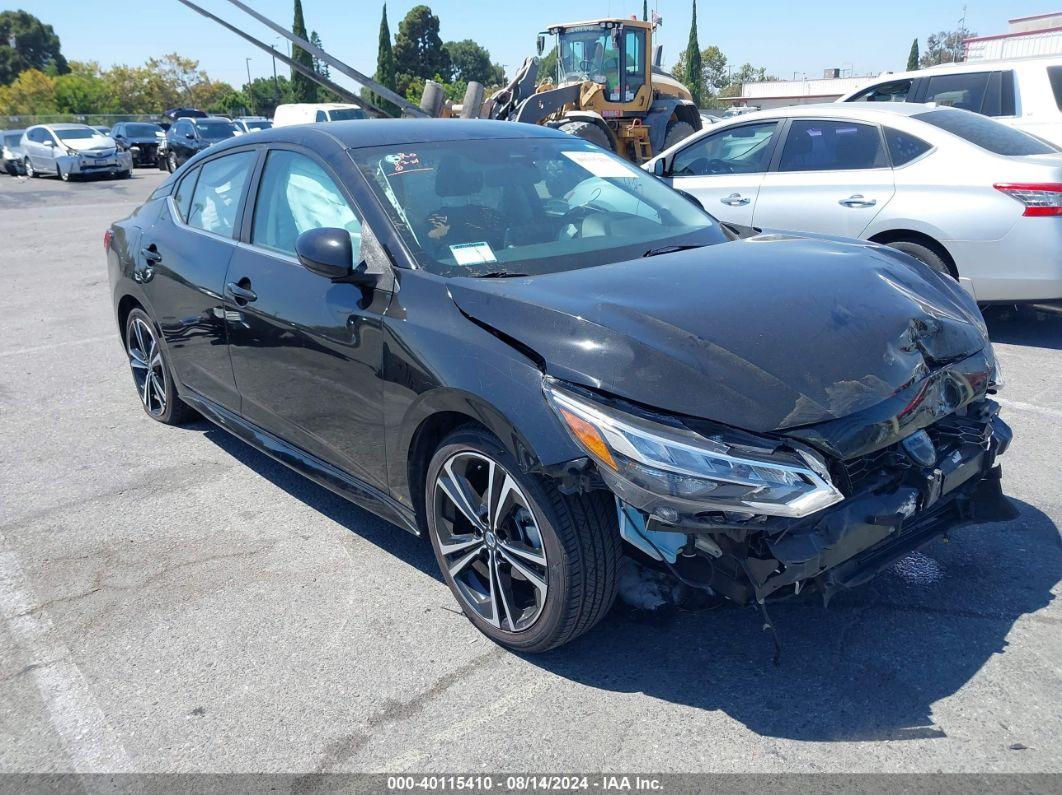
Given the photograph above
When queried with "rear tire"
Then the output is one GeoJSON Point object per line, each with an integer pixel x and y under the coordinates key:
{"type": "Point", "coordinates": [677, 131]}
{"type": "Point", "coordinates": [152, 374]}
{"type": "Point", "coordinates": [31, 172]}
{"type": "Point", "coordinates": [588, 131]}
{"type": "Point", "coordinates": [574, 538]}
{"type": "Point", "coordinates": [171, 162]}
{"type": "Point", "coordinates": [923, 254]}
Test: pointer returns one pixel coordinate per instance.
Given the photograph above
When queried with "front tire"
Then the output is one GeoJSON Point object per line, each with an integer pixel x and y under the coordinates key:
{"type": "Point", "coordinates": [171, 163]}
{"type": "Point", "coordinates": [31, 172]}
{"type": "Point", "coordinates": [677, 131]}
{"type": "Point", "coordinates": [152, 375]}
{"type": "Point", "coordinates": [588, 131]}
{"type": "Point", "coordinates": [531, 567]}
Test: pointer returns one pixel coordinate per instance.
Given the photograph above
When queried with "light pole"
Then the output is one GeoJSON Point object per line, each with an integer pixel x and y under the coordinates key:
{"type": "Point", "coordinates": [247, 61]}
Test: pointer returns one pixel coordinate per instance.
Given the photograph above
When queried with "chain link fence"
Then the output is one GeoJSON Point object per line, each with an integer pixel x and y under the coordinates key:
{"type": "Point", "coordinates": [95, 119]}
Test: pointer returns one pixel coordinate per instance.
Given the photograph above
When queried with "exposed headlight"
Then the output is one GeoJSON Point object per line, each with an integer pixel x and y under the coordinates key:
{"type": "Point", "coordinates": [692, 473]}
{"type": "Point", "coordinates": [72, 152]}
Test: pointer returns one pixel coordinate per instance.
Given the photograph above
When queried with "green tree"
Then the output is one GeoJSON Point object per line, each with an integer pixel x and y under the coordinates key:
{"type": "Point", "coordinates": [319, 66]}
{"type": "Point", "coordinates": [418, 50]}
{"type": "Point", "coordinates": [645, 10]}
{"type": "Point", "coordinates": [471, 62]}
{"type": "Point", "coordinates": [32, 92]}
{"type": "Point", "coordinates": [714, 76]}
{"type": "Point", "coordinates": [747, 73]}
{"type": "Point", "coordinates": [385, 65]}
{"type": "Point", "coordinates": [692, 76]}
{"type": "Point", "coordinates": [263, 95]}
{"type": "Point", "coordinates": [945, 47]}
{"type": "Point", "coordinates": [912, 57]}
{"type": "Point", "coordinates": [80, 91]}
{"type": "Point", "coordinates": [305, 89]}
{"type": "Point", "coordinates": [36, 46]}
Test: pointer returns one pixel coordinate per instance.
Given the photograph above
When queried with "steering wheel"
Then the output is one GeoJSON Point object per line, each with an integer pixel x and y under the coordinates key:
{"type": "Point", "coordinates": [585, 66]}
{"type": "Point", "coordinates": [574, 217]}
{"type": "Point", "coordinates": [717, 166]}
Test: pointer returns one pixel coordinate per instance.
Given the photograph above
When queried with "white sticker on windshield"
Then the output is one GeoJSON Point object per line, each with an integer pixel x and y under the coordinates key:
{"type": "Point", "coordinates": [599, 164]}
{"type": "Point", "coordinates": [473, 253]}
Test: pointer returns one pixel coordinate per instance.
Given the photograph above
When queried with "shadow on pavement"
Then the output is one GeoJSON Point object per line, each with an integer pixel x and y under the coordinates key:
{"type": "Point", "coordinates": [1023, 325]}
{"type": "Point", "coordinates": [870, 667]}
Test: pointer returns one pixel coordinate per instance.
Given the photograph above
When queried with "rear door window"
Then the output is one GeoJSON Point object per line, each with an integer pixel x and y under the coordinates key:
{"type": "Point", "coordinates": [965, 91]}
{"type": "Point", "coordinates": [1054, 74]}
{"type": "Point", "coordinates": [217, 194]}
{"type": "Point", "coordinates": [745, 149]}
{"type": "Point", "coordinates": [894, 91]}
{"type": "Point", "coordinates": [986, 133]}
{"type": "Point", "coordinates": [182, 197]}
{"type": "Point", "coordinates": [904, 147]}
{"type": "Point", "coordinates": [813, 145]}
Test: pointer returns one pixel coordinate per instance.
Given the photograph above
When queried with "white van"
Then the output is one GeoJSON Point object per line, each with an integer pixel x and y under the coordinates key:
{"type": "Point", "coordinates": [1025, 93]}
{"type": "Point", "coordinates": [313, 113]}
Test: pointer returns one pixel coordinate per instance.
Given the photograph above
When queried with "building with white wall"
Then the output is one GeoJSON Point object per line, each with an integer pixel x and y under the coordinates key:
{"type": "Point", "coordinates": [1026, 37]}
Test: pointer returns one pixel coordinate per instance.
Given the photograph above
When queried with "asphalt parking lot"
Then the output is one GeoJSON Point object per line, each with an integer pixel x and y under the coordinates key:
{"type": "Point", "coordinates": [175, 601]}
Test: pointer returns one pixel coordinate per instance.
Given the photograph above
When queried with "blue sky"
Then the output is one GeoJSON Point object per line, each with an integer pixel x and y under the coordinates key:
{"type": "Point", "coordinates": [785, 36]}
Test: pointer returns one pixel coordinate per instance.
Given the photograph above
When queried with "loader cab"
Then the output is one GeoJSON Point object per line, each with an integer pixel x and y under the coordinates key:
{"type": "Point", "coordinates": [612, 53]}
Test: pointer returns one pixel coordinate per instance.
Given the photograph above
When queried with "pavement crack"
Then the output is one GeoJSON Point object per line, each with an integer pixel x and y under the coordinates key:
{"type": "Point", "coordinates": [342, 750]}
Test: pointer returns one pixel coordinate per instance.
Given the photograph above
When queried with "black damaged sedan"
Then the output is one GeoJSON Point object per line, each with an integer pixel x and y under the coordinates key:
{"type": "Point", "coordinates": [542, 357]}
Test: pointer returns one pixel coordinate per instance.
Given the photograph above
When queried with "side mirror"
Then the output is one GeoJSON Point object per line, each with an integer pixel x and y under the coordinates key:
{"type": "Point", "coordinates": [49, 142]}
{"type": "Point", "coordinates": [189, 136]}
{"type": "Point", "coordinates": [541, 44]}
{"type": "Point", "coordinates": [660, 167]}
{"type": "Point", "coordinates": [328, 252]}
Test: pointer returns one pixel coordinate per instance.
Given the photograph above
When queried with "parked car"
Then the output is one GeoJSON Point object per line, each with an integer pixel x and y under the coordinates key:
{"type": "Point", "coordinates": [188, 137]}
{"type": "Point", "coordinates": [1022, 93]}
{"type": "Point", "coordinates": [140, 139]}
{"type": "Point", "coordinates": [71, 151]}
{"type": "Point", "coordinates": [249, 124]}
{"type": "Point", "coordinates": [315, 113]}
{"type": "Point", "coordinates": [11, 156]}
{"type": "Point", "coordinates": [558, 377]}
{"type": "Point", "coordinates": [101, 130]}
{"type": "Point", "coordinates": [171, 115]}
{"type": "Point", "coordinates": [968, 196]}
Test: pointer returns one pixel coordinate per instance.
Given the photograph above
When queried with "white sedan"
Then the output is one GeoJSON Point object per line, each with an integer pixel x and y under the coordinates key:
{"type": "Point", "coordinates": [963, 193]}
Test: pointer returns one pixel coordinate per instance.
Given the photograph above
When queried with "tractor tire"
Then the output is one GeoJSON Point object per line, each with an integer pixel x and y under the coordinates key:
{"type": "Point", "coordinates": [588, 131]}
{"type": "Point", "coordinates": [677, 131]}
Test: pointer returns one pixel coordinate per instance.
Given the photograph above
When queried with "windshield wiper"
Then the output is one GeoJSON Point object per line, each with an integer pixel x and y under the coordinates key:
{"type": "Point", "coordinates": [499, 274]}
{"type": "Point", "coordinates": [671, 249]}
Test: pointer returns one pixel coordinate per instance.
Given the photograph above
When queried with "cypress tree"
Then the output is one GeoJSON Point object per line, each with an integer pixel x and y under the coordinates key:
{"type": "Point", "coordinates": [645, 10]}
{"type": "Point", "coordinates": [303, 88]}
{"type": "Point", "coordinates": [693, 76]}
{"type": "Point", "coordinates": [912, 59]}
{"type": "Point", "coordinates": [385, 62]}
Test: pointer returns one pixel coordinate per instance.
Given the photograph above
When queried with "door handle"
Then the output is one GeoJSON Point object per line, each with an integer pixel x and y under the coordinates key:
{"type": "Point", "coordinates": [735, 200]}
{"type": "Point", "coordinates": [857, 200]}
{"type": "Point", "coordinates": [240, 293]}
{"type": "Point", "coordinates": [151, 255]}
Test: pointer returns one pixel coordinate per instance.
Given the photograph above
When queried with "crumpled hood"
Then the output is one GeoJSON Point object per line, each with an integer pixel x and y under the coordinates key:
{"type": "Point", "coordinates": [93, 144]}
{"type": "Point", "coordinates": [766, 333]}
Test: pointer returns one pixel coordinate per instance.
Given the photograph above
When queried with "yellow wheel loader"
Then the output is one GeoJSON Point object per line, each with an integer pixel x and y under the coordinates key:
{"type": "Point", "coordinates": [607, 89]}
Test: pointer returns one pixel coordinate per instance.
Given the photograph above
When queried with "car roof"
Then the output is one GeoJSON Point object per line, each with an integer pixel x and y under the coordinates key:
{"type": "Point", "coordinates": [389, 132]}
{"type": "Point", "coordinates": [65, 126]}
{"type": "Point", "coordinates": [838, 109]}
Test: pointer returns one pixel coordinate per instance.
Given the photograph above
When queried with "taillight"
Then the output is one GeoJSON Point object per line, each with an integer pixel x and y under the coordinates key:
{"type": "Point", "coordinates": [108, 236]}
{"type": "Point", "coordinates": [1039, 198]}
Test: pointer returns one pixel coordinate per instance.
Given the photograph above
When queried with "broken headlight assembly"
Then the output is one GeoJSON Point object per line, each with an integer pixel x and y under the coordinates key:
{"type": "Point", "coordinates": [671, 472]}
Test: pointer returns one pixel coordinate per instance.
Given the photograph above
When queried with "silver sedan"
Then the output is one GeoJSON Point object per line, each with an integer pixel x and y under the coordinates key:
{"type": "Point", "coordinates": [965, 194]}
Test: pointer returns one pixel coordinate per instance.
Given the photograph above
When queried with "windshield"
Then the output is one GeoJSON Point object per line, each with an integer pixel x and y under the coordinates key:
{"type": "Point", "coordinates": [527, 206]}
{"type": "Point", "coordinates": [12, 139]}
{"type": "Point", "coordinates": [589, 52]}
{"type": "Point", "coordinates": [142, 130]}
{"type": "Point", "coordinates": [215, 130]}
{"type": "Point", "coordinates": [986, 133]}
{"type": "Point", "coordinates": [262, 124]}
{"type": "Point", "coordinates": [78, 134]}
{"type": "Point", "coordinates": [346, 114]}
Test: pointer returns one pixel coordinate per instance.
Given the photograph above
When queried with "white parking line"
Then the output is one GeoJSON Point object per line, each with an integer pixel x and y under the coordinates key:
{"type": "Point", "coordinates": [92, 745]}
{"type": "Point", "coordinates": [1017, 405]}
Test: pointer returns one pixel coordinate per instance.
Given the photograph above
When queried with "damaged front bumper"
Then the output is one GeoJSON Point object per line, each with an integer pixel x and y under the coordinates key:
{"type": "Point", "coordinates": [893, 505]}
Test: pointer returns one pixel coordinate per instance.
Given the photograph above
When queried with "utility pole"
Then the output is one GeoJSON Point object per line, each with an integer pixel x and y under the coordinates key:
{"type": "Point", "coordinates": [248, 63]}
